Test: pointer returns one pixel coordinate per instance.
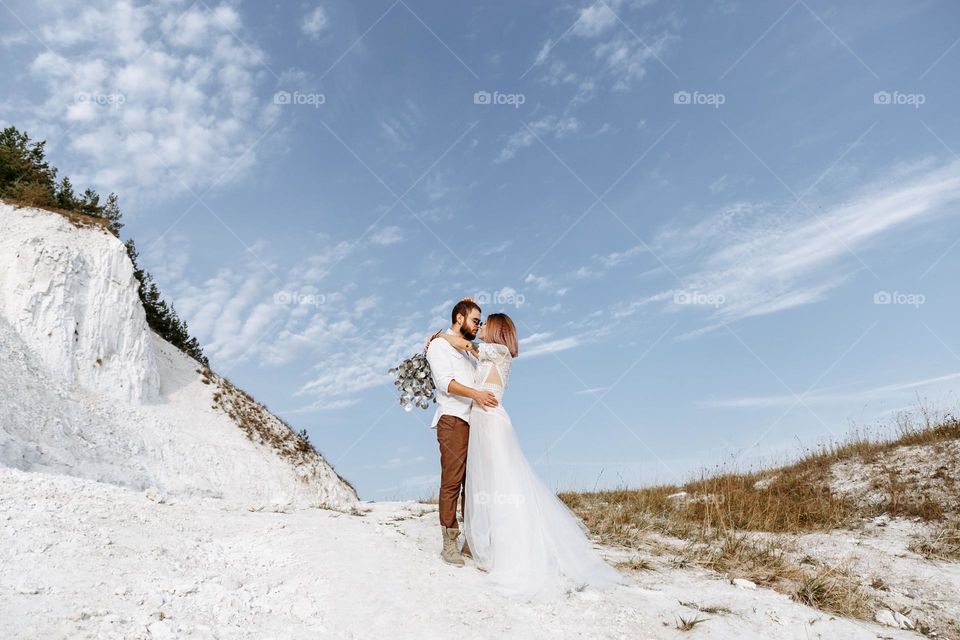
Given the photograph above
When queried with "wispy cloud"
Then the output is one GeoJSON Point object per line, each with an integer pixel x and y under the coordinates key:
{"type": "Point", "coordinates": [541, 348]}
{"type": "Point", "coordinates": [387, 235]}
{"type": "Point", "coordinates": [315, 22]}
{"type": "Point", "coordinates": [621, 48]}
{"type": "Point", "coordinates": [594, 20]}
{"type": "Point", "coordinates": [757, 259]}
{"type": "Point", "coordinates": [841, 398]}
{"type": "Point", "coordinates": [546, 127]}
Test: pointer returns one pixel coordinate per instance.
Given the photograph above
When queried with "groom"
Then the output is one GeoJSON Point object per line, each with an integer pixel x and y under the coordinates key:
{"type": "Point", "coordinates": [453, 371]}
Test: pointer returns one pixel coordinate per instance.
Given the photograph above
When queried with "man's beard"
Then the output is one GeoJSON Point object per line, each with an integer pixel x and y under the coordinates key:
{"type": "Point", "coordinates": [466, 333]}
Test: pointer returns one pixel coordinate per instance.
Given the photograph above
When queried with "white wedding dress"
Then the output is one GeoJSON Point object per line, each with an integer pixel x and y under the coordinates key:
{"type": "Point", "coordinates": [531, 543]}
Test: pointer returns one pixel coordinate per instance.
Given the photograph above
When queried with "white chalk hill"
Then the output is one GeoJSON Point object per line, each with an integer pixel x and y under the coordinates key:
{"type": "Point", "coordinates": [87, 389]}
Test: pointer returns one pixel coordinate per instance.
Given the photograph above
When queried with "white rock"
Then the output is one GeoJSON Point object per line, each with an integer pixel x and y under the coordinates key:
{"type": "Point", "coordinates": [161, 629]}
{"type": "Point", "coordinates": [890, 618]}
{"type": "Point", "coordinates": [764, 483]}
{"type": "Point", "coordinates": [184, 589]}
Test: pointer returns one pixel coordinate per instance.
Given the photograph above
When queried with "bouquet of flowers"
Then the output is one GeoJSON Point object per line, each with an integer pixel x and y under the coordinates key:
{"type": "Point", "coordinates": [415, 382]}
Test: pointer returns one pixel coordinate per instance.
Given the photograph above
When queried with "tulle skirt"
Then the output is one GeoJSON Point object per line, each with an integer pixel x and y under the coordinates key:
{"type": "Point", "coordinates": [531, 544]}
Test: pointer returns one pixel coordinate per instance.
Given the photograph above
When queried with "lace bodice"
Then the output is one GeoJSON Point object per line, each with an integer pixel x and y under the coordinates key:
{"type": "Point", "coordinates": [493, 368]}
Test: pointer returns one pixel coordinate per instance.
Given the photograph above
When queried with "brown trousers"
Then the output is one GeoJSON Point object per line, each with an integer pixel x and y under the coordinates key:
{"type": "Point", "coordinates": [453, 434]}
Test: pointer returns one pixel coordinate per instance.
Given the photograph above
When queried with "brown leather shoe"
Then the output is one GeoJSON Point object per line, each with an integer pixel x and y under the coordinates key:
{"type": "Point", "coordinates": [465, 551]}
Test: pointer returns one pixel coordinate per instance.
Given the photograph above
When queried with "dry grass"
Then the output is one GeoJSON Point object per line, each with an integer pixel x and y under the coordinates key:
{"type": "Point", "coordinates": [687, 624]}
{"type": "Point", "coordinates": [637, 564]}
{"type": "Point", "coordinates": [261, 426]}
{"type": "Point", "coordinates": [735, 523]}
{"type": "Point", "coordinates": [76, 219]}
{"type": "Point", "coordinates": [798, 499]}
{"type": "Point", "coordinates": [833, 591]}
{"type": "Point", "coordinates": [943, 543]}
{"type": "Point", "coordinates": [710, 610]}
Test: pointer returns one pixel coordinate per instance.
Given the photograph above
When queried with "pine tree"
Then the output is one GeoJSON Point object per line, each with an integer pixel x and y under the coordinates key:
{"type": "Point", "coordinates": [25, 174]}
{"type": "Point", "coordinates": [111, 213]}
{"type": "Point", "coordinates": [90, 203]}
{"type": "Point", "coordinates": [162, 318]}
{"type": "Point", "coordinates": [66, 198]}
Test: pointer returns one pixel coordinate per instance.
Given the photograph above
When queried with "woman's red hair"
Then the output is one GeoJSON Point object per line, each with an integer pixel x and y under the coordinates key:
{"type": "Point", "coordinates": [500, 329]}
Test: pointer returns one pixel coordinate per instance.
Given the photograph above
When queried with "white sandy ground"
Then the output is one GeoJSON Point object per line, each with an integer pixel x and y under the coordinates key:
{"type": "Point", "coordinates": [82, 559]}
{"type": "Point", "coordinates": [927, 591]}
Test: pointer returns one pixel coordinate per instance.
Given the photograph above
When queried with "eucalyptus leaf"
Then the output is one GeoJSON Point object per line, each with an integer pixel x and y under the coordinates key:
{"type": "Point", "coordinates": [414, 381]}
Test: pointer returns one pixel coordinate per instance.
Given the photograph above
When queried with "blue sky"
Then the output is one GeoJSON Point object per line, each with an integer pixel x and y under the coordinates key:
{"type": "Point", "coordinates": [726, 229]}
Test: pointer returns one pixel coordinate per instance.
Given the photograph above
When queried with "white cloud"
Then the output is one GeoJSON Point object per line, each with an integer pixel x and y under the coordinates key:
{"type": "Point", "coordinates": [276, 315]}
{"type": "Point", "coordinates": [540, 282]}
{"type": "Point", "coordinates": [594, 20]}
{"type": "Point", "coordinates": [387, 235]}
{"type": "Point", "coordinates": [401, 124]}
{"type": "Point", "coordinates": [315, 22]}
{"type": "Point", "coordinates": [534, 338]}
{"type": "Point", "coordinates": [594, 391]}
{"type": "Point", "coordinates": [493, 249]}
{"type": "Point", "coordinates": [548, 126]}
{"type": "Point", "coordinates": [157, 98]}
{"type": "Point", "coordinates": [618, 55]}
{"type": "Point", "coordinates": [616, 258]}
{"type": "Point", "coordinates": [544, 52]}
{"type": "Point", "coordinates": [553, 346]}
{"type": "Point", "coordinates": [398, 462]}
{"type": "Point", "coordinates": [626, 59]}
{"type": "Point", "coordinates": [884, 392]}
{"type": "Point", "coordinates": [758, 259]}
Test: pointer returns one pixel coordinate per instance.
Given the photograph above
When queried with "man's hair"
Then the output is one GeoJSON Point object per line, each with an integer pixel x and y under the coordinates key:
{"type": "Point", "coordinates": [463, 308]}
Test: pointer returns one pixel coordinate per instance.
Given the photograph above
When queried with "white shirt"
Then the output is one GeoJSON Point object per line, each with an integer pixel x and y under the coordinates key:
{"type": "Point", "coordinates": [446, 364]}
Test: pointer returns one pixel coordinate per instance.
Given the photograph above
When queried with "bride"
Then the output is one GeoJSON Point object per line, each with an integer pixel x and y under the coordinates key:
{"type": "Point", "coordinates": [517, 529]}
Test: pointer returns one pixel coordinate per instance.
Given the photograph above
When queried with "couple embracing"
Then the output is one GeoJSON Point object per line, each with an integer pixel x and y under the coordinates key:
{"type": "Point", "coordinates": [515, 528]}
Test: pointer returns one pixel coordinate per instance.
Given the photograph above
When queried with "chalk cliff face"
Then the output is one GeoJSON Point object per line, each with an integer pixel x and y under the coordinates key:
{"type": "Point", "coordinates": [87, 389]}
{"type": "Point", "coordinates": [71, 296]}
